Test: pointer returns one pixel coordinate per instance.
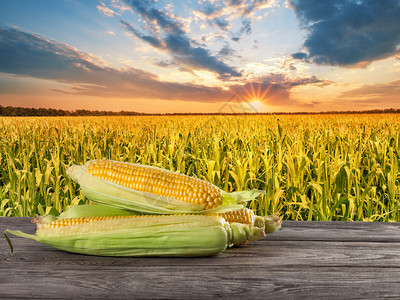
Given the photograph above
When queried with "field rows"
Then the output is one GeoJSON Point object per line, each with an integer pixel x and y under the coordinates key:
{"type": "Point", "coordinates": [330, 167]}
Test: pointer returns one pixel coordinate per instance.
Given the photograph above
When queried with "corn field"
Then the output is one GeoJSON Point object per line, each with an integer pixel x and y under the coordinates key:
{"type": "Point", "coordinates": [320, 167]}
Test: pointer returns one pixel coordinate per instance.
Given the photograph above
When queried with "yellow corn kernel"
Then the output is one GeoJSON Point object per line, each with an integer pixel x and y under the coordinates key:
{"type": "Point", "coordinates": [76, 221]}
{"type": "Point", "coordinates": [157, 181]}
{"type": "Point", "coordinates": [244, 215]}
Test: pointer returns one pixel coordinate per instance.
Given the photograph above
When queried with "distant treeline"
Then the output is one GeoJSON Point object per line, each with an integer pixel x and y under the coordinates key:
{"type": "Point", "coordinates": [12, 111]}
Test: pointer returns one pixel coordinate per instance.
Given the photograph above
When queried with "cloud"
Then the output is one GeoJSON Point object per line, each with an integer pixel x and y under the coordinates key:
{"type": "Point", "coordinates": [168, 64]}
{"type": "Point", "coordinates": [164, 63]}
{"type": "Point", "coordinates": [375, 93]}
{"type": "Point", "coordinates": [226, 51]}
{"type": "Point", "coordinates": [299, 56]}
{"type": "Point", "coordinates": [349, 32]}
{"type": "Point", "coordinates": [246, 27]}
{"type": "Point", "coordinates": [270, 93]}
{"type": "Point", "coordinates": [221, 23]}
{"type": "Point", "coordinates": [106, 10]}
{"type": "Point", "coordinates": [197, 57]}
{"type": "Point", "coordinates": [209, 9]}
{"type": "Point", "coordinates": [147, 11]}
{"type": "Point", "coordinates": [275, 89]}
{"type": "Point", "coordinates": [26, 54]}
{"type": "Point", "coordinates": [369, 96]}
{"type": "Point", "coordinates": [155, 42]}
{"type": "Point", "coordinates": [32, 55]}
{"type": "Point", "coordinates": [219, 13]}
{"type": "Point", "coordinates": [170, 37]}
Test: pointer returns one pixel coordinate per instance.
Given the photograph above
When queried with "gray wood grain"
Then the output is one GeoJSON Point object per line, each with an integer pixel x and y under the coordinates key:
{"type": "Point", "coordinates": [309, 260]}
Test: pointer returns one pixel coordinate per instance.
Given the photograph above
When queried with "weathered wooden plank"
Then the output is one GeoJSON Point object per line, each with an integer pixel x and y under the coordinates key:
{"type": "Point", "coordinates": [262, 253]}
{"type": "Point", "coordinates": [311, 260]}
{"type": "Point", "coordinates": [201, 282]}
{"type": "Point", "coordinates": [339, 231]}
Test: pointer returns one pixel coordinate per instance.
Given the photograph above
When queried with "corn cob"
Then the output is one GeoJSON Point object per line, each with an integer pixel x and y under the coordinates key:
{"type": "Point", "coordinates": [244, 215]}
{"type": "Point", "coordinates": [153, 190]}
{"type": "Point", "coordinates": [270, 224]}
{"type": "Point", "coordinates": [171, 235]}
{"type": "Point", "coordinates": [157, 181]}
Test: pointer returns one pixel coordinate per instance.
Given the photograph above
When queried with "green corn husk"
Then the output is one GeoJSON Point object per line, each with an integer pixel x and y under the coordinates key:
{"type": "Point", "coordinates": [104, 192]}
{"type": "Point", "coordinates": [95, 210]}
{"type": "Point", "coordinates": [270, 224]}
{"type": "Point", "coordinates": [172, 235]}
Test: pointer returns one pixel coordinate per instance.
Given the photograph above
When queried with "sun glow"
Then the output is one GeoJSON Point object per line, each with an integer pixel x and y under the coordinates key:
{"type": "Point", "coordinates": [257, 105]}
{"type": "Point", "coordinates": [257, 96]}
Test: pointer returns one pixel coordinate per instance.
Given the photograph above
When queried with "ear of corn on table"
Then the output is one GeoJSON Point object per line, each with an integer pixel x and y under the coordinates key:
{"type": "Point", "coordinates": [148, 211]}
{"type": "Point", "coordinates": [169, 235]}
{"type": "Point", "coordinates": [152, 190]}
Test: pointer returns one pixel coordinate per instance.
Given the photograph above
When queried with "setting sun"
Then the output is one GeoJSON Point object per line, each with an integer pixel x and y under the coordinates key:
{"type": "Point", "coordinates": [256, 95]}
{"type": "Point", "coordinates": [258, 105]}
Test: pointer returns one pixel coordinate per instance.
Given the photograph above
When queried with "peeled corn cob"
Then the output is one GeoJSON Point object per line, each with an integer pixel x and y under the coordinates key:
{"type": "Point", "coordinates": [171, 235]}
{"type": "Point", "coordinates": [244, 215]}
{"type": "Point", "coordinates": [153, 190]}
{"type": "Point", "coordinates": [158, 181]}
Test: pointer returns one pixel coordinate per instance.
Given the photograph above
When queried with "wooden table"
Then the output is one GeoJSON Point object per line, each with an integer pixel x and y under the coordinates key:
{"type": "Point", "coordinates": [304, 260]}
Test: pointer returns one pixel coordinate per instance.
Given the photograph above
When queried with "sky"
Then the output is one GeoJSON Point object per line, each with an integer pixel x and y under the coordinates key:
{"type": "Point", "coordinates": [201, 56]}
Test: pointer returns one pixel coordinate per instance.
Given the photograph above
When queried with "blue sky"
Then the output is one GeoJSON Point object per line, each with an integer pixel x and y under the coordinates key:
{"type": "Point", "coordinates": [193, 56]}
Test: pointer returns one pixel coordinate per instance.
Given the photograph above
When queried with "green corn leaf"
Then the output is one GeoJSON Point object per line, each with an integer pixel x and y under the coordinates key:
{"type": "Point", "coordinates": [241, 196]}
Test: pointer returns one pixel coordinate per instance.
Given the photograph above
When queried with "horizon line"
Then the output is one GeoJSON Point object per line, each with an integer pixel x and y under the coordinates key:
{"type": "Point", "coordinates": [6, 111]}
